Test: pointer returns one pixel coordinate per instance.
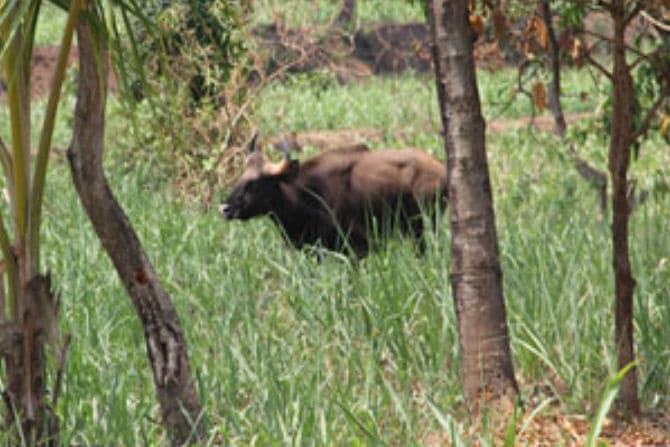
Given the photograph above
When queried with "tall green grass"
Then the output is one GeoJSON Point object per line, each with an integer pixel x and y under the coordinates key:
{"type": "Point", "coordinates": [290, 350]}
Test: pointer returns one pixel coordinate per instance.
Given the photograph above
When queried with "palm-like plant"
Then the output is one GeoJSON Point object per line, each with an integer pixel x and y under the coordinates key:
{"type": "Point", "coordinates": [28, 318]}
{"type": "Point", "coordinates": [28, 311]}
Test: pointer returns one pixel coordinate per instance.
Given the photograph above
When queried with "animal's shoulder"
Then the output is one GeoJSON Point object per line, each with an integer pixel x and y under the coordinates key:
{"type": "Point", "coordinates": [333, 162]}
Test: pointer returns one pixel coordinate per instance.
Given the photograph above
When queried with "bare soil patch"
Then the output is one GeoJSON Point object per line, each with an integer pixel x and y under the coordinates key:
{"type": "Point", "coordinates": [570, 430]}
{"type": "Point", "coordinates": [543, 122]}
{"type": "Point", "coordinates": [384, 48]}
{"type": "Point", "coordinates": [328, 139]}
{"type": "Point", "coordinates": [43, 65]}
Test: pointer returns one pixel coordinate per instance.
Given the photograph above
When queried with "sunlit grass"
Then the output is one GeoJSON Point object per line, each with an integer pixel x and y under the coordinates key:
{"type": "Point", "coordinates": [306, 12]}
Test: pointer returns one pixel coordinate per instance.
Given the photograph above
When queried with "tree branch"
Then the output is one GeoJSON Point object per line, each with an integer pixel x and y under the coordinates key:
{"type": "Point", "coordinates": [596, 64]}
{"type": "Point", "coordinates": [596, 177]}
{"type": "Point", "coordinates": [536, 64]}
{"type": "Point", "coordinates": [657, 23]}
{"type": "Point", "coordinates": [634, 12]}
{"type": "Point", "coordinates": [607, 39]}
{"type": "Point", "coordinates": [646, 121]}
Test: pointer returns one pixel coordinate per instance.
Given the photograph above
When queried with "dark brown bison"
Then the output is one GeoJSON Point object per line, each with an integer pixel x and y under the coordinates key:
{"type": "Point", "coordinates": [340, 198]}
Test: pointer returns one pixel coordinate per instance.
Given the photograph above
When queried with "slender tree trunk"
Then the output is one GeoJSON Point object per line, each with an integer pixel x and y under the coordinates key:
{"type": "Point", "coordinates": [476, 276]}
{"type": "Point", "coordinates": [619, 159]}
{"type": "Point", "coordinates": [166, 347]}
{"type": "Point", "coordinates": [555, 67]}
{"type": "Point", "coordinates": [596, 177]}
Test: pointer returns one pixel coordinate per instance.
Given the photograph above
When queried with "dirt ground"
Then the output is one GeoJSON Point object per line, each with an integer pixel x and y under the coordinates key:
{"type": "Point", "coordinates": [44, 61]}
{"type": "Point", "coordinates": [43, 65]}
{"type": "Point", "coordinates": [572, 431]}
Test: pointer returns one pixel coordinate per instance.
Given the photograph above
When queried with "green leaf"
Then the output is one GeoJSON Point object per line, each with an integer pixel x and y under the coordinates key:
{"type": "Point", "coordinates": [611, 391]}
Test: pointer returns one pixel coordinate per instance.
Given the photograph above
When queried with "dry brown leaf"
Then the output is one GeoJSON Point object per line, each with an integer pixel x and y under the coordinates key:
{"type": "Point", "coordinates": [539, 96]}
{"type": "Point", "coordinates": [527, 36]}
{"type": "Point", "coordinates": [530, 26]}
{"type": "Point", "coordinates": [541, 33]}
{"type": "Point", "coordinates": [477, 24]}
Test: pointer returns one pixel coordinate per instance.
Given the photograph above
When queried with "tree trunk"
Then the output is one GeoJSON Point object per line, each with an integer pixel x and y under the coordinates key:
{"type": "Point", "coordinates": [555, 67]}
{"type": "Point", "coordinates": [476, 276]}
{"type": "Point", "coordinates": [619, 159]}
{"type": "Point", "coordinates": [166, 347]}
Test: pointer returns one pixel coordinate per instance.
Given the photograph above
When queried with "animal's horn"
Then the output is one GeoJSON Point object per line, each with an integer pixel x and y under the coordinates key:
{"type": "Point", "coordinates": [283, 146]}
{"type": "Point", "coordinates": [251, 148]}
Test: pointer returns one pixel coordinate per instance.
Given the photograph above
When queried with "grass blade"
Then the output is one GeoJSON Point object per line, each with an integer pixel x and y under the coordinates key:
{"type": "Point", "coordinates": [372, 437]}
{"type": "Point", "coordinates": [611, 391]}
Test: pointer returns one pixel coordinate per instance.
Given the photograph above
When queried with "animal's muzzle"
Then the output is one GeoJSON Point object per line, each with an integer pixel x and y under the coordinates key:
{"type": "Point", "coordinates": [227, 211]}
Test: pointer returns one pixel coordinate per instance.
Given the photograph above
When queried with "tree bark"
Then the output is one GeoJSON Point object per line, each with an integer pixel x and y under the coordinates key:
{"type": "Point", "coordinates": [166, 347]}
{"type": "Point", "coordinates": [476, 275]}
{"type": "Point", "coordinates": [619, 160]}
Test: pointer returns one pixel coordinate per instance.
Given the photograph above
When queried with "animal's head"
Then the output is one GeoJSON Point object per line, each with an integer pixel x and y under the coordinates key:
{"type": "Point", "coordinates": [259, 188]}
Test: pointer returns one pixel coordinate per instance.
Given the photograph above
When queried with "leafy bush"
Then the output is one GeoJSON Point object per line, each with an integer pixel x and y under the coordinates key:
{"type": "Point", "coordinates": [186, 90]}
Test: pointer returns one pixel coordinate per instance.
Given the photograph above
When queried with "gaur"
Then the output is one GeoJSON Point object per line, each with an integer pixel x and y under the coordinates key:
{"type": "Point", "coordinates": [336, 198]}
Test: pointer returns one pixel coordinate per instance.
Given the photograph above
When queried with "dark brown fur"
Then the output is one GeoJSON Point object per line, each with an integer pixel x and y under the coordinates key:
{"type": "Point", "coordinates": [336, 197]}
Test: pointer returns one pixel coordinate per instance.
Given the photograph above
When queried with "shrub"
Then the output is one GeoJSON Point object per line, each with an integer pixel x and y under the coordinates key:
{"type": "Point", "coordinates": [185, 91]}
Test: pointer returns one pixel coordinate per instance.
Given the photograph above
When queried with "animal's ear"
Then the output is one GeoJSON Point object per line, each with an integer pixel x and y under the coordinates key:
{"type": "Point", "coordinates": [251, 147]}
